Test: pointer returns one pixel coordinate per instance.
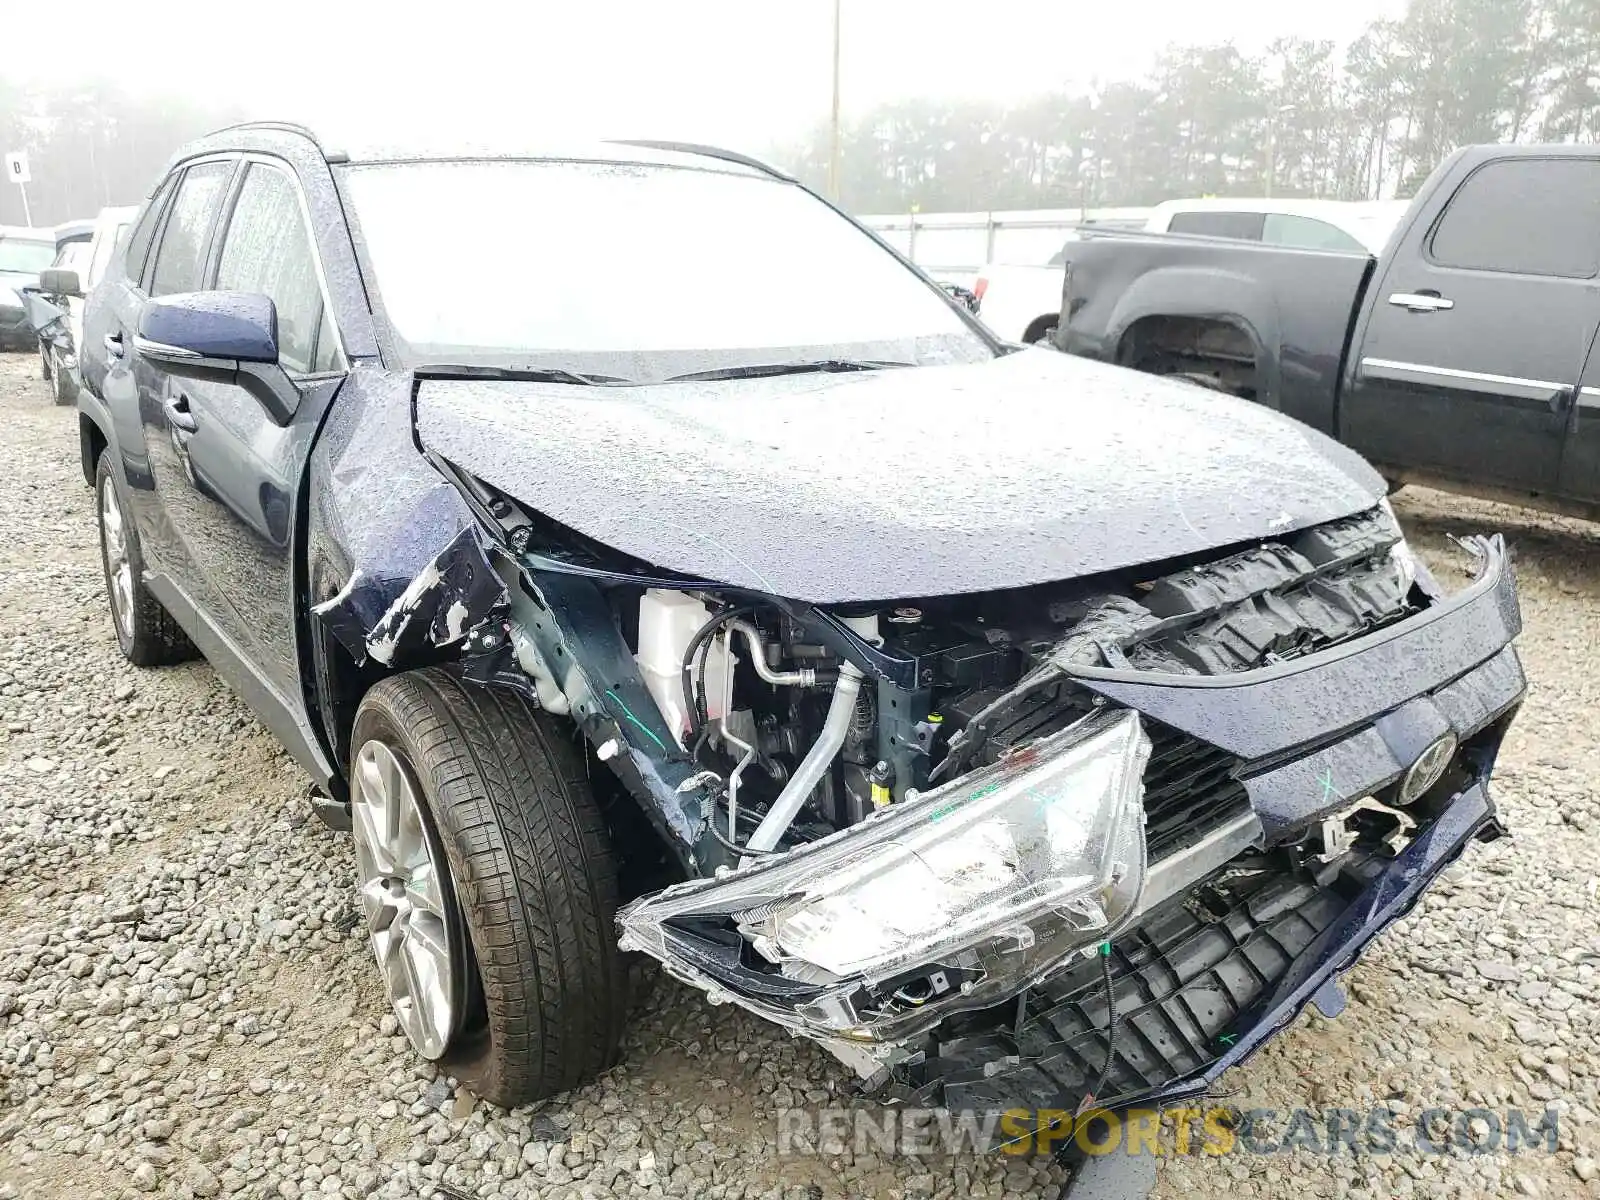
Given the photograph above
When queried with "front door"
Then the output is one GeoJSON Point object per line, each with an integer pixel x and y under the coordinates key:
{"type": "Point", "coordinates": [229, 476]}
{"type": "Point", "coordinates": [1470, 361]}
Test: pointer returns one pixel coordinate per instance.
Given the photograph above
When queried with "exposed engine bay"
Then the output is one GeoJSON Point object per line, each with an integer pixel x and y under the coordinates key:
{"type": "Point", "coordinates": [895, 818]}
{"type": "Point", "coordinates": [805, 744]}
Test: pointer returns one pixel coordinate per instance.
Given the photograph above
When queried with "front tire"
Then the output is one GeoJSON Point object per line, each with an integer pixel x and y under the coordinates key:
{"type": "Point", "coordinates": [61, 385]}
{"type": "Point", "coordinates": [530, 993]}
{"type": "Point", "coordinates": [146, 632]}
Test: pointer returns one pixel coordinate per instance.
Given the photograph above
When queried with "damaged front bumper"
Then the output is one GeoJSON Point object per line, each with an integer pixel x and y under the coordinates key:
{"type": "Point", "coordinates": [1240, 922]}
{"type": "Point", "coordinates": [47, 320]}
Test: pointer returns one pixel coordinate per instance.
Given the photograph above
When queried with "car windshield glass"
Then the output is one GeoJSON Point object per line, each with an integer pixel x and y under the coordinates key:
{"type": "Point", "coordinates": [19, 255]}
{"type": "Point", "coordinates": [638, 272]}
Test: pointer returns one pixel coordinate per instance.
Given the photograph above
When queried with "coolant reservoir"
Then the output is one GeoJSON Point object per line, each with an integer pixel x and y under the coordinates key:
{"type": "Point", "coordinates": [668, 621]}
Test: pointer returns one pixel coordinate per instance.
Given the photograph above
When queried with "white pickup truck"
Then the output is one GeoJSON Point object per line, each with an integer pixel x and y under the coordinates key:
{"type": "Point", "coordinates": [1021, 303]}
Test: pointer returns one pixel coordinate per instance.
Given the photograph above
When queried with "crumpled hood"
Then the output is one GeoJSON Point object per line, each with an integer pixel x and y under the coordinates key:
{"type": "Point", "coordinates": [899, 483]}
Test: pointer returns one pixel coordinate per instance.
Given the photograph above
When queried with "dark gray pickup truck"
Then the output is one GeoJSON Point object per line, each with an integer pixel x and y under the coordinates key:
{"type": "Point", "coordinates": [1462, 356]}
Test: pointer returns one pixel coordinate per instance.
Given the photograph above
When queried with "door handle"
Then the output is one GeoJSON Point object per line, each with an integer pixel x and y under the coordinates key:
{"type": "Point", "coordinates": [1421, 302]}
{"type": "Point", "coordinates": [113, 343]}
{"type": "Point", "coordinates": [178, 414]}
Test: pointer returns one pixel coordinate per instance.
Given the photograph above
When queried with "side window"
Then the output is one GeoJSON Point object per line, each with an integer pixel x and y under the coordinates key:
{"type": "Point", "coordinates": [1533, 216]}
{"type": "Point", "coordinates": [105, 245]}
{"type": "Point", "coordinates": [145, 230]}
{"type": "Point", "coordinates": [1243, 226]}
{"type": "Point", "coordinates": [70, 256]}
{"type": "Point", "coordinates": [180, 262]}
{"type": "Point", "coordinates": [1306, 233]}
{"type": "Point", "coordinates": [268, 249]}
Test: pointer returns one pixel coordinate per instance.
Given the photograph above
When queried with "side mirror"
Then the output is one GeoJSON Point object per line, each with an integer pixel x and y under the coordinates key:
{"type": "Point", "coordinates": [230, 325]}
{"type": "Point", "coordinates": [59, 281]}
{"type": "Point", "coordinates": [229, 337]}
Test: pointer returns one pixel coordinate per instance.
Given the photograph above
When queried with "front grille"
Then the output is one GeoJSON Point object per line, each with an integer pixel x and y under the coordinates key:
{"type": "Point", "coordinates": [1182, 980]}
{"type": "Point", "coordinates": [1189, 790]}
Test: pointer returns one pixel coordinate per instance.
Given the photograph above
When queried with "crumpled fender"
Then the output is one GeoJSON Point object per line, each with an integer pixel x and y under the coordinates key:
{"type": "Point", "coordinates": [397, 561]}
{"type": "Point", "coordinates": [455, 590]}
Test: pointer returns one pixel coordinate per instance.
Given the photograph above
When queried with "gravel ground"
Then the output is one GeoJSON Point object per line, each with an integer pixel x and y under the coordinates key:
{"type": "Point", "coordinates": [185, 1008]}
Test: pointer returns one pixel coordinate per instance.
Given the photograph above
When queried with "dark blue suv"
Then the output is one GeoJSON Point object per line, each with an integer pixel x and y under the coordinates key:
{"type": "Point", "coordinates": [627, 524]}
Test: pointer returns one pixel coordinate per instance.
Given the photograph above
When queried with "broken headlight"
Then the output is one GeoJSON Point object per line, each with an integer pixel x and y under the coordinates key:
{"type": "Point", "coordinates": [956, 899]}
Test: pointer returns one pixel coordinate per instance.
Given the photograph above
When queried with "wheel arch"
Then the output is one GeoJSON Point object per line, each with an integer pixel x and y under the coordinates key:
{"type": "Point", "coordinates": [1211, 299]}
{"type": "Point", "coordinates": [92, 441]}
{"type": "Point", "coordinates": [1039, 327]}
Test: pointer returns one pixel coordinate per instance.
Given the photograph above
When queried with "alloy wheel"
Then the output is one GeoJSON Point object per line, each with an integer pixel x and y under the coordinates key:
{"type": "Point", "coordinates": [404, 890]}
{"type": "Point", "coordinates": [119, 571]}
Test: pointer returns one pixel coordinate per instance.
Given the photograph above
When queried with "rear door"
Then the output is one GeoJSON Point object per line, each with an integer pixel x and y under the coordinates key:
{"type": "Point", "coordinates": [1479, 328]}
{"type": "Point", "coordinates": [229, 475]}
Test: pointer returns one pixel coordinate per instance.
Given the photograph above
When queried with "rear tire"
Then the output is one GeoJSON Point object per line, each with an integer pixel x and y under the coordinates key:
{"type": "Point", "coordinates": [533, 880]}
{"type": "Point", "coordinates": [146, 632]}
{"type": "Point", "coordinates": [1040, 332]}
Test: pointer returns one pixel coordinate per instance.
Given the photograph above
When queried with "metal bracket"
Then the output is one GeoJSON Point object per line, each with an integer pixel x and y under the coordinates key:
{"type": "Point", "coordinates": [1338, 834]}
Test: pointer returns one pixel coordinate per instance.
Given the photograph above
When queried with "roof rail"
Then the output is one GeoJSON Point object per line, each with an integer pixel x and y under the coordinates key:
{"type": "Point", "coordinates": [732, 156]}
{"type": "Point", "coordinates": [279, 126]}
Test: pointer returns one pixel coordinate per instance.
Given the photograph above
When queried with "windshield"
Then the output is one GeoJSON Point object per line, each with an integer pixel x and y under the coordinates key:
{"type": "Point", "coordinates": [636, 272]}
{"type": "Point", "coordinates": [25, 256]}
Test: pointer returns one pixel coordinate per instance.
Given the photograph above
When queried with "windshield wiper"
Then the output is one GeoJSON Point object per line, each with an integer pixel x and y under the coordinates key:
{"type": "Point", "coordinates": [757, 370]}
{"type": "Point", "coordinates": [519, 374]}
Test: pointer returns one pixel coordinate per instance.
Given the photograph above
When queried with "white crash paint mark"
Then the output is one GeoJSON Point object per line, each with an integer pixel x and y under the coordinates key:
{"type": "Point", "coordinates": [385, 635]}
{"type": "Point", "coordinates": [333, 602]}
{"type": "Point", "coordinates": [455, 621]}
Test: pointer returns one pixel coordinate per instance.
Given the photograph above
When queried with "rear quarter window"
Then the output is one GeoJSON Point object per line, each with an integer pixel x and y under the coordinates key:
{"type": "Point", "coordinates": [1528, 216]}
{"type": "Point", "coordinates": [1241, 226]}
{"type": "Point", "coordinates": [1306, 233]}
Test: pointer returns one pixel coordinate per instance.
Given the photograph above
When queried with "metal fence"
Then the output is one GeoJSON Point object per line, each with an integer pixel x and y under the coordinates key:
{"type": "Point", "coordinates": [955, 246]}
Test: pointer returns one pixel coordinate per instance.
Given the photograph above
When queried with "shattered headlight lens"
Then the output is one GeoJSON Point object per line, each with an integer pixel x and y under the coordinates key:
{"type": "Point", "coordinates": [998, 876]}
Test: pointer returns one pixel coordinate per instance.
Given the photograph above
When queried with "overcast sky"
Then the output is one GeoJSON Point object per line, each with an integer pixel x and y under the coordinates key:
{"type": "Point", "coordinates": [745, 73]}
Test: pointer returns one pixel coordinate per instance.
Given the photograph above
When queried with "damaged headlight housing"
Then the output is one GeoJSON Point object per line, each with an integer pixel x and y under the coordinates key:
{"type": "Point", "coordinates": [953, 900]}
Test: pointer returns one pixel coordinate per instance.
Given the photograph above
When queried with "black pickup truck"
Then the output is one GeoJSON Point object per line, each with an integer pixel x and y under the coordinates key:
{"type": "Point", "coordinates": [1462, 356]}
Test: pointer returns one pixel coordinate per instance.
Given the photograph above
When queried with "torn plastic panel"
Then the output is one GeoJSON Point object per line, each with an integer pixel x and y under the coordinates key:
{"type": "Point", "coordinates": [47, 319]}
{"type": "Point", "coordinates": [456, 590]}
